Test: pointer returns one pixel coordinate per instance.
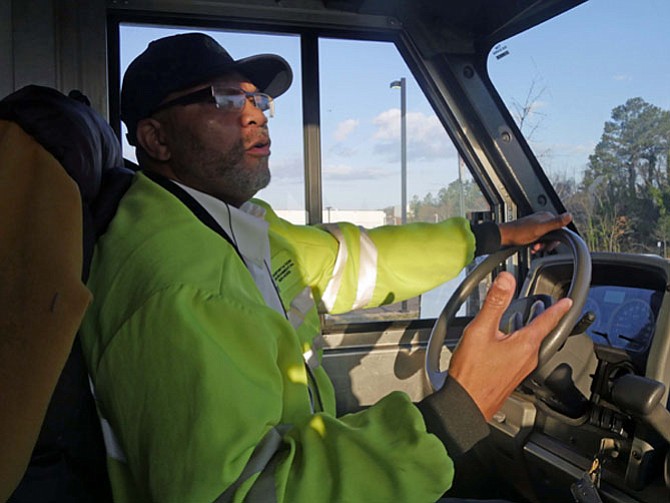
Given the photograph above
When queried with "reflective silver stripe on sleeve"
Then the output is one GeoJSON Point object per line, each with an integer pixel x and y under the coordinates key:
{"type": "Point", "coordinates": [258, 462]}
{"type": "Point", "coordinates": [330, 293]}
{"type": "Point", "coordinates": [112, 444]}
{"type": "Point", "coordinates": [367, 271]}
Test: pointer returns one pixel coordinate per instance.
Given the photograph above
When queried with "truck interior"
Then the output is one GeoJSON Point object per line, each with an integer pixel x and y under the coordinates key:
{"type": "Point", "coordinates": [423, 93]}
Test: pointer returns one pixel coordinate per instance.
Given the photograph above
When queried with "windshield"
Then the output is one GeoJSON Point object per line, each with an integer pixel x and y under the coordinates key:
{"type": "Point", "coordinates": [589, 91]}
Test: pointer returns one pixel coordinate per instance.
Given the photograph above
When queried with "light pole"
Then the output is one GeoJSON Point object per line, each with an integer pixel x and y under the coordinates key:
{"type": "Point", "coordinates": [400, 84]}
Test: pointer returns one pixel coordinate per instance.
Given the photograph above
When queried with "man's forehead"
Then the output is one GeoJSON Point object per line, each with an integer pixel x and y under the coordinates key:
{"type": "Point", "coordinates": [235, 79]}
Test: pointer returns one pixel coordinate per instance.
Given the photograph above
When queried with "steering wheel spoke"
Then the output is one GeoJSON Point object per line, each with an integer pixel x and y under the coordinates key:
{"type": "Point", "coordinates": [523, 310]}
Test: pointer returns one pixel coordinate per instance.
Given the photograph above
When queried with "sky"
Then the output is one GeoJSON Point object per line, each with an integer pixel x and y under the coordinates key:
{"type": "Point", "coordinates": [579, 66]}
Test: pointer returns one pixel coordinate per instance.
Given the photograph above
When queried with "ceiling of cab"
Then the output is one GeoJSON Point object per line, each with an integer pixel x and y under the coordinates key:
{"type": "Point", "coordinates": [436, 26]}
{"type": "Point", "coordinates": [456, 25]}
{"type": "Point", "coordinates": [463, 25]}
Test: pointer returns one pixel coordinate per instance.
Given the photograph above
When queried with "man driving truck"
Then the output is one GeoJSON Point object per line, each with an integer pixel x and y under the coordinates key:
{"type": "Point", "coordinates": [203, 339]}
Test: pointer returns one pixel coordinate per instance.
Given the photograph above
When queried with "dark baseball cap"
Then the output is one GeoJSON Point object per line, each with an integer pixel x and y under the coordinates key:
{"type": "Point", "coordinates": [181, 61]}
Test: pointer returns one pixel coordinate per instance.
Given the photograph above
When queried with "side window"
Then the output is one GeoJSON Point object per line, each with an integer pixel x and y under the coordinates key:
{"type": "Point", "coordinates": [286, 192]}
{"type": "Point", "coordinates": [372, 173]}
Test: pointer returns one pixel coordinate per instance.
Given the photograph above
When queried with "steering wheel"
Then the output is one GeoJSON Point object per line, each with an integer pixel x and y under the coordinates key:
{"type": "Point", "coordinates": [578, 291]}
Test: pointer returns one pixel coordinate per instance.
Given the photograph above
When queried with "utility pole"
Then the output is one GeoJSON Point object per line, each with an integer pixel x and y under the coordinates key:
{"type": "Point", "coordinates": [401, 84]}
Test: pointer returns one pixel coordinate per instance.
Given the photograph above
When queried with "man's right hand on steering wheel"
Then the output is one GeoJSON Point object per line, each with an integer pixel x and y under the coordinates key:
{"type": "Point", "coordinates": [489, 364]}
{"type": "Point", "coordinates": [485, 368]}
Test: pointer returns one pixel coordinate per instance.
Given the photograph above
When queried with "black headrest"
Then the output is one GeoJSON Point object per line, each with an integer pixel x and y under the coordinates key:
{"type": "Point", "coordinates": [75, 134]}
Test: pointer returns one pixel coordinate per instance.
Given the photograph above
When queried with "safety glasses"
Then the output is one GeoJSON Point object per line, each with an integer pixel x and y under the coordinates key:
{"type": "Point", "coordinates": [225, 98]}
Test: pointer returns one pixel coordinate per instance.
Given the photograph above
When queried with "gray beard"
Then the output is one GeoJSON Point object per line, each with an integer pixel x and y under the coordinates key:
{"type": "Point", "coordinates": [199, 165]}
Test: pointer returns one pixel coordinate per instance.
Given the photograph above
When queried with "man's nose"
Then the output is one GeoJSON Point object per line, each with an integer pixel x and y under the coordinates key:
{"type": "Point", "coordinates": [251, 114]}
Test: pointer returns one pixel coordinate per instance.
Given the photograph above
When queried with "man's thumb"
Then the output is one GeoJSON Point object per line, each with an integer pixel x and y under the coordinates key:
{"type": "Point", "coordinates": [497, 300]}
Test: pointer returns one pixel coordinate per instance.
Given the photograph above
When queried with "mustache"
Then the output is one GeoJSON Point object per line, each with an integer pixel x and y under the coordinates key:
{"type": "Point", "coordinates": [261, 137]}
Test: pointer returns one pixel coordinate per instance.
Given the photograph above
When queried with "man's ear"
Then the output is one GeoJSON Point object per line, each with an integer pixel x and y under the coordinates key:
{"type": "Point", "coordinates": [151, 137]}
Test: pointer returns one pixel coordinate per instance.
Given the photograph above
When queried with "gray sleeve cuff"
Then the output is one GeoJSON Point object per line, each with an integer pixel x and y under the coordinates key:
{"type": "Point", "coordinates": [454, 418]}
{"type": "Point", "coordinates": [487, 237]}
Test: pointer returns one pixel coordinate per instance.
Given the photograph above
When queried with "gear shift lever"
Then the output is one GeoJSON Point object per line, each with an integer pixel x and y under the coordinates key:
{"type": "Point", "coordinates": [641, 397]}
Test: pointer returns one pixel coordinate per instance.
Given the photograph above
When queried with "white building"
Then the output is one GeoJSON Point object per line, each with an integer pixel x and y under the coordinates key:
{"type": "Point", "coordinates": [364, 218]}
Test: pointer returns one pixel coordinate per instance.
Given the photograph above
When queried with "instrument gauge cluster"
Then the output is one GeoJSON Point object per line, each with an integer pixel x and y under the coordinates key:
{"type": "Point", "coordinates": [625, 299]}
{"type": "Point", "coordinates": [625, 316]}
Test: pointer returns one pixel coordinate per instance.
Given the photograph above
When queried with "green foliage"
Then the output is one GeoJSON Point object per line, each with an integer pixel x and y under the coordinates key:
{"type": "Point", "coordinates": [449, 202]}
{"type": "Point", "coordinates": [623, 201]}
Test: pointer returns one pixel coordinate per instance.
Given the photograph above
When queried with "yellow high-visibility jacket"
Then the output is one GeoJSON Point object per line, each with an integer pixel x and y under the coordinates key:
{"type": "Point", "coordinates": [206, 387]}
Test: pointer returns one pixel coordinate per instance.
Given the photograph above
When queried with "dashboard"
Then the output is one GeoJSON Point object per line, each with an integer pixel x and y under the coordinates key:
{"type": "Point", "coordinates": [624, 302]}
{"type": "Point", "coordinates": [624, 331]}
